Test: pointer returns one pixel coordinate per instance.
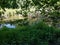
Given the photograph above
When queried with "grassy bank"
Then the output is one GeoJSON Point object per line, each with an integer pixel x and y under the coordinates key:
{"type": "Point", "coordinates": [38, 34]}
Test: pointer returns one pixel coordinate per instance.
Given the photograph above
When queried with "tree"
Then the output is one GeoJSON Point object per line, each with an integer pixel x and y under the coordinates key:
{"type": "Point", "coordinates": [8, 4]}
{"type": "Point", "coordinates": [49, 9]}
{"type": "Point", "coordinates": [48, 6]}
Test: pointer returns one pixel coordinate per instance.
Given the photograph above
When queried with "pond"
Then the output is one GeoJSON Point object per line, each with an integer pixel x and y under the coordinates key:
{"type": "Point", "coordinates": [7, 25]}
{"type": "Point", "coordinates": [13, 24]}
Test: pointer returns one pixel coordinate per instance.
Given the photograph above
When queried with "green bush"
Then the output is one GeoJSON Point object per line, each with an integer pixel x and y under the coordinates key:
{"type": "Point", "coordinates": [38, 34]}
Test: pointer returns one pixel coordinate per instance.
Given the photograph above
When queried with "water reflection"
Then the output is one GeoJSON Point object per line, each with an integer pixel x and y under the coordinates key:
{"type": "Point", "coordinates": [1, 26]}
{"type": "Point", "coordinates": [7, 25]}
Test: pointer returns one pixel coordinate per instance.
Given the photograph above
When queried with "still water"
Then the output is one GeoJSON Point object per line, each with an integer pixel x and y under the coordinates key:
{"type": "Point", "coordinates": [7, 25]}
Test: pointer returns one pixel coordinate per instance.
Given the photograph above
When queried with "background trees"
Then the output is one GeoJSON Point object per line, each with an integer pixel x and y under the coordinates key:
{"type": "Point", "coordinates": [48, 8]}
{"type": "Point", "coordinates": [8, 4]}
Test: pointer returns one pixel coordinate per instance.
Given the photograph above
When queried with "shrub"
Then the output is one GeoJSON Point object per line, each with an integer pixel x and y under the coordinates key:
{"type": "Point", "coordinates": [38, 34]}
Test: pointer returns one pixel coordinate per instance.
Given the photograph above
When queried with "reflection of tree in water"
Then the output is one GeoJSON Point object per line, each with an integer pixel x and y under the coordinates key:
{"type": "Point", "coordinates": [0, 24]}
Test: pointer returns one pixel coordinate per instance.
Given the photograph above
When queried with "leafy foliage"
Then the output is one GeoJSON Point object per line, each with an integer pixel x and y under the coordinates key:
{"type": "Point", "coordinates": [39, 34]}
{"type": "Point", "coordinates": [8, 3]}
